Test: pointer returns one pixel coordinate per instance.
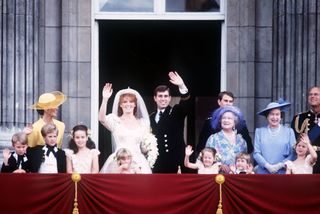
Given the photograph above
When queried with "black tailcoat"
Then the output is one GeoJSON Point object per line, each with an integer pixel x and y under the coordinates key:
{"type": "Point", "coordinates": [169, 132]}
{"type": "Point", "coordinates": [36, 157]}
{"type": "Point", "coordinates": [13, 165]}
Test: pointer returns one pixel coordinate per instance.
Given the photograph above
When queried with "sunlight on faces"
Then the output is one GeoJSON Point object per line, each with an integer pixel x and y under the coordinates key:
{"type": "Point", "coordinates": [51, 138]}
{"type": "Point", "coordinates": [19, 148]}
{"type": "Point", "coordinates": [128, 102]}
{"type": "Point", "coordinates": [314, 96]}
{"type": "Point", "coordinates": [226, 101]}
{"type": "Point", "coordinates": [274, 117]}
{"type": "Point", "coordinates": [228, 120]}
{"type": "Point", "coordinates": [162, 99]}
{"type": "Point", "coordinates": [207, 159]}
{"type": "Point", "coordinates": [80, 137]}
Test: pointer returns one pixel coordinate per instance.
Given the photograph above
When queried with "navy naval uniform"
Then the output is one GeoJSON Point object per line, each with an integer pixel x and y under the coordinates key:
{"type": "Point", "coordinates": [309, 122]}
{"type": "Point", "coordinates": [169, 132]}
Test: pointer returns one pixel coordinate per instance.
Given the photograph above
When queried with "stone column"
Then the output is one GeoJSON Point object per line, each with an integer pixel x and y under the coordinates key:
{"type": "Point", "coordinates": [76, 62]}
{"type": "Point", "coordinates": [241, 55]}
{"type": "Point", "coordinates": [19, 58]}
{"type": "Point", "coordinates": [263, 59]}
{"type": "Point", "coordinates": [296, 51]}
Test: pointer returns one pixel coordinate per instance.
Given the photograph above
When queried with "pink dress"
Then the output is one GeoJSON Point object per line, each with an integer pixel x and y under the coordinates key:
{"type": "Point", "coordinates": [82, 163]}
{"type": "Point", "coordinates": [214, 169]}
{"type": "Point", "coordinates": [306, 168]}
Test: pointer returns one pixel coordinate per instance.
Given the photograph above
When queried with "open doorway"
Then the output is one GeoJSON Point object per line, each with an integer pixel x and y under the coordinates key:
{"type": "Point", "coordinates": [140, 53]}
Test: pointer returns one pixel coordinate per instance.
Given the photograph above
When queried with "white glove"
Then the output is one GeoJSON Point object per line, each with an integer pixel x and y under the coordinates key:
{"type": "Point", "coordinates": [271, 168]}
{"type": "Point", "coordinates": [279, 166]}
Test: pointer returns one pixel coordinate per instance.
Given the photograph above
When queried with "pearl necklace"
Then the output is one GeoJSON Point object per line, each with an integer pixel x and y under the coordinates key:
{"type": "Point", "coordinates": [274, 131]}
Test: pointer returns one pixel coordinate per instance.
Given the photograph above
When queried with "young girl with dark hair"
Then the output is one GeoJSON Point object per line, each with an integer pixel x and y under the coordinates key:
{"type": "Point", "coordinates": [82, 157]}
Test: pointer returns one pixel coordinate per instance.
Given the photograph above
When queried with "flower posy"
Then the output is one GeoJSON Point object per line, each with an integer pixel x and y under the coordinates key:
{"type": "Point", "coordinates": [149, 146]}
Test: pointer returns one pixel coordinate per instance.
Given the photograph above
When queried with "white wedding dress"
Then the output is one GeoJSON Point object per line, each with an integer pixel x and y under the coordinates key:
{"type": "Point", "coordinates": [126, 138]}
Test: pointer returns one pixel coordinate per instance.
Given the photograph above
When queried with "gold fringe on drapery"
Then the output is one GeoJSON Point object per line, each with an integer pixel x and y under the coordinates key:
{"type": "Point", "coordinates": [220, 180]}
{"type": "Point", "coordinates": [75, 178]}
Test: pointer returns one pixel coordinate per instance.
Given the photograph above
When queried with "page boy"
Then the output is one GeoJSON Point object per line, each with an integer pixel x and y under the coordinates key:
{"type": "Point", "coordinates": [17, 161]}
{"type": "Point", "coordinates": [47, 158]}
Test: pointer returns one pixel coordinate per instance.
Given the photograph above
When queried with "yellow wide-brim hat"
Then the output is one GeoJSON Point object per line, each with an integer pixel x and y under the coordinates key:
{"type": "Point", "coordinates": [50, 100]}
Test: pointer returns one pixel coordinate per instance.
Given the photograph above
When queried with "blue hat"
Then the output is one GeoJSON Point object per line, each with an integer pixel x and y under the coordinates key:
{"type": "Point", "coordinates": [217, 114]}
{"type": "Point", "coordinates": [280, 104]}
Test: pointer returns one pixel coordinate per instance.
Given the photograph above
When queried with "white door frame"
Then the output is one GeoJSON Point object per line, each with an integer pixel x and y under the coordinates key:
{"type": "Point", "coordinates": [158, 14]}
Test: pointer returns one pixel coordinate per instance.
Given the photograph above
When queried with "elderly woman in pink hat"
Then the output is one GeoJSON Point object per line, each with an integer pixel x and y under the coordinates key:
{"type": "Point", "coordinates": [47, 107]}
{"type": "Point", "coordinates": [273, 144]}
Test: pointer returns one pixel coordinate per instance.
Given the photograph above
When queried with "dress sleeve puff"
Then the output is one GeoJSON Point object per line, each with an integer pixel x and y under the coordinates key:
{"type": "Point", "coordinates": [94, 152]}
{"type": "Point", "coordinates": [199, 164]}
{"type": "Point", "coordinates": [68, 152]}
{"type": "Point", "coordinates": [289, 164]}
{"type": "Point", "coordinates": [308, 160]}
{"type": "Point", "coordinates": [111, 121]}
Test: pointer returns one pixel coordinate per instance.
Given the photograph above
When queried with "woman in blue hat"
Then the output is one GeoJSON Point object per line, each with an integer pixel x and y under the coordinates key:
{"type": "Point", "coordinates": [228, 142]}
{"type": "Point", "coordinates": [273, 144]}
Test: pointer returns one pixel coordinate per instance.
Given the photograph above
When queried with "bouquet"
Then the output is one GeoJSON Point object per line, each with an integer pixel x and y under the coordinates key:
{"type": "Point", "coordinates": [149, 147]}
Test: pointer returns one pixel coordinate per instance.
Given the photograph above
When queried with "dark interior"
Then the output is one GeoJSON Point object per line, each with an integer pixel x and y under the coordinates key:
{"type": "Point", "coordinates": [140, 53]}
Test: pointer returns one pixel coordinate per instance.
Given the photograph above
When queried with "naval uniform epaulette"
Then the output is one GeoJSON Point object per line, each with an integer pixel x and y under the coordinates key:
{"type": "Point", "coordinates": [302, 122]}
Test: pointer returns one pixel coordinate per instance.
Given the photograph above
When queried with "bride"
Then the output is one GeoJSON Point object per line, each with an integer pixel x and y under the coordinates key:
{"type": "Point", "coordinates": [128, 123]}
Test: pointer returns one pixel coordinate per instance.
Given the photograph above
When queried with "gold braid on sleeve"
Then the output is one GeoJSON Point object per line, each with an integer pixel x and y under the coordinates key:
{"type": "Point", "coordinates": [303, 127]}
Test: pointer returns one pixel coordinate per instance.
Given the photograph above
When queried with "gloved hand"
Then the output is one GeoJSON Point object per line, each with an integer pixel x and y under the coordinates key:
{"type": "Point", "coordinates": [279, 166]}
{"type": "Point", "coordinates": [271, 168]}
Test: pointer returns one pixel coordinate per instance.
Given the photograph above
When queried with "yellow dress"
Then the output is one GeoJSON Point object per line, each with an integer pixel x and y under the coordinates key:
{"type": "Point", "coordinates": [35, 138]}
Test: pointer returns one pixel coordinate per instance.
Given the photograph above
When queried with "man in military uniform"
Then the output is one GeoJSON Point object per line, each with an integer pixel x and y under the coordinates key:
{"type": "Point", "coordinates": [309, 122]}
{"type": "Point", "coordinates": [167, 125]}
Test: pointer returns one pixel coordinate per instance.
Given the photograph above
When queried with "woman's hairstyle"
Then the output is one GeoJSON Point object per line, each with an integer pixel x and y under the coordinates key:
{"type": "Point", "coordinates": [245, 156]}
{"type": "Point", "coordinates": [132, 97]}
{"type": "Point", "coordinates": [121, 153]}
{"type": "Point", "coordinates": [48, 128]}
{"type": "Point", "coordinates": [19, 137]}
{"type": "Point", "coordinates": [72, 144]}
{"type": "Point", "coordinates": [213, 151]}
{"type": "Point", "coordinates": [141, 111]}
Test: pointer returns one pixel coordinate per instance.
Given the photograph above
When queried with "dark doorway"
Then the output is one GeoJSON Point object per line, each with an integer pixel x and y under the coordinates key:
{"type": "Point", "coordinates": [139, 54]}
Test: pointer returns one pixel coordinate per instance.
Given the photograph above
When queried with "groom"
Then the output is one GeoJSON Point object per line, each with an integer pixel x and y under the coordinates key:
{"type": "Point", "coordinates": [167, 125]}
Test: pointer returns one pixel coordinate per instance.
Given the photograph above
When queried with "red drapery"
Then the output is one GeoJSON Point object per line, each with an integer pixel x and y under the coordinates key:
{"type": "Point", "coordinates": [36, 193]}
{"type": "Point", "coordinates": [185, 193]}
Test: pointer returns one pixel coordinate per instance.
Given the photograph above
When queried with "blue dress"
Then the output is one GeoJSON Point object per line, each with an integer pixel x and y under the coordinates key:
{"type": "Point", "coordinates": [273, 147]}
{"type": "Point", "coordinates": [226, 150]}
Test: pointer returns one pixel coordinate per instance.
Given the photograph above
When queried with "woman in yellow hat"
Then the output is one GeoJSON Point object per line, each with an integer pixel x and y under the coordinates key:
{"type": "Point", "coordinates": [47, 107]}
